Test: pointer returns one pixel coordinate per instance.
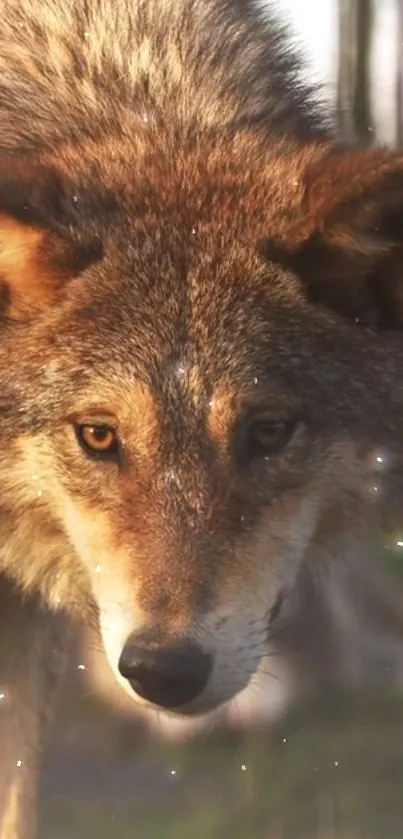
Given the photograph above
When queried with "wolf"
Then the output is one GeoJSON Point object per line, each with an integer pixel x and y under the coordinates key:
{"type": "Point", "coordinates": [200, 359]}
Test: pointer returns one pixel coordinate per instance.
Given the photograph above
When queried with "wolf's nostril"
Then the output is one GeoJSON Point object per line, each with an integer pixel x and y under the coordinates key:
{"type": "Point", "coordinates": [170, 676]}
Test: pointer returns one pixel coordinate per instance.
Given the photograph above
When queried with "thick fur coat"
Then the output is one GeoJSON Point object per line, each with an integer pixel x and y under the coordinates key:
{"type": "Point", "coordinates": [200, 361]}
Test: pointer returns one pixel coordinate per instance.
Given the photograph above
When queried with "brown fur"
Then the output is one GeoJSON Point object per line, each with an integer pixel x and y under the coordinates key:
{"type": "Point", "coordinates": [184, 251]}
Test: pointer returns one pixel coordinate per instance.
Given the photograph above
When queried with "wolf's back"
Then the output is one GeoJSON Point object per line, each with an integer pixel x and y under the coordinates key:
{"type": "Point", "coordinates": [76, 68]}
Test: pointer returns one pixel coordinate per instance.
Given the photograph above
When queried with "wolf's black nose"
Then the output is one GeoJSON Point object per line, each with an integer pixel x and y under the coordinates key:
{"type": "Point", "coordinates": [169, 676]}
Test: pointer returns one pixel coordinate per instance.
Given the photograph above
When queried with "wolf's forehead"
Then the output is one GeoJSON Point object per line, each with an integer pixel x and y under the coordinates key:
{"type": "Point", "coordinates": [181, 399]}
{"type": "Point", "coordinates": [167, 333]}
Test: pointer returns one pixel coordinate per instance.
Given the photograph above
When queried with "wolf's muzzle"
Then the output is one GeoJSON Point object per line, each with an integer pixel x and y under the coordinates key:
{"type": "Point", "coordinates": [169, 675]}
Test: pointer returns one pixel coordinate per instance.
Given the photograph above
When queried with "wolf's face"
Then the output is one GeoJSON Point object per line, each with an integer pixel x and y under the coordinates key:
{"type": "Point", "coordinates": [185, 422]}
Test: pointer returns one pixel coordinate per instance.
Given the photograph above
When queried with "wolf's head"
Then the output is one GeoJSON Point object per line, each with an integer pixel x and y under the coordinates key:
{"type": "Point", "coordinates": [199, 362]}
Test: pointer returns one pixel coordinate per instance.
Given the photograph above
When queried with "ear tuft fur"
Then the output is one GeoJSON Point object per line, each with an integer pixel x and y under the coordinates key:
{"type": "Point", "coordinates": [39, 252]}
{"type": "Point", "coordinates": [346, 239]}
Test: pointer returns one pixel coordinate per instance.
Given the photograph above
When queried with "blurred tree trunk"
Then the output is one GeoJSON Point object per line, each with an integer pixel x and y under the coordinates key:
{"type": "Point", "coordinates": [362, 92]}
{"type": "Point", "coordinates": [346, 70]}
{"type": "Point", "coordinates": [399, 87]}
{"type": "Point", "coordinates": [354, 77]}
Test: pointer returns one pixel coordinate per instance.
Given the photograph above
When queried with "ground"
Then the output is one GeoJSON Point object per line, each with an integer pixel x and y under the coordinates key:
{"type": "Point", "coordinates": [326, 772]}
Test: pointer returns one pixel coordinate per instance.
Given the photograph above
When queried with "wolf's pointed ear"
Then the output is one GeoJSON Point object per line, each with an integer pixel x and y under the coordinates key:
{"type": "Point", "coordinates": [345, 238]}
{"type": "Point", "coordinates": [39, 252]}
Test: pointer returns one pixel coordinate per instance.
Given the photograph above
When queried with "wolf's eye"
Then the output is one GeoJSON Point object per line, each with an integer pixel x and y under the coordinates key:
{"type": "Point", "coordinates": [266, 437]}
{"type": "Point", "coordinates": [98, 440]}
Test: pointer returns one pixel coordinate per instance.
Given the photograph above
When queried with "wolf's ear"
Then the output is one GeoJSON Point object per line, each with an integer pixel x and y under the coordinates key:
{"type": "Point", "coordinates": [39, 252]}
{"type": "Point", "coordinates": [345, 238]}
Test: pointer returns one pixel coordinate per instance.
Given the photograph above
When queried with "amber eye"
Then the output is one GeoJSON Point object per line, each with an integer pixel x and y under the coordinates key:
{"type": "Point", "coordinates": [266, 437]}
{"type": "Point", "coordinates": [98, 440]}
